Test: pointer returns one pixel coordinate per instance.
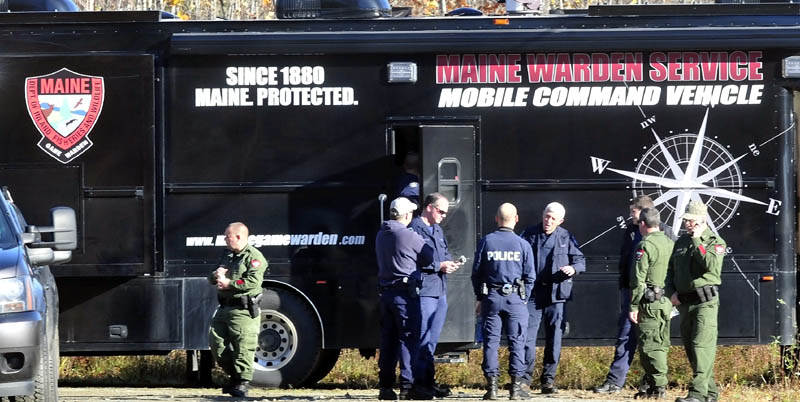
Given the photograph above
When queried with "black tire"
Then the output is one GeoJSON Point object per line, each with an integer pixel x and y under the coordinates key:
{"type": "Point", "coordinates": [327, 359]}
{"type": "Point", "coordinates": [45, 383]}
{"type": "Point", "coordinates": [289, 340]}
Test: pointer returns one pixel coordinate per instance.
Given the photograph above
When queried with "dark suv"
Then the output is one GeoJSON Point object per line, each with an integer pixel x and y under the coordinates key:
{"type": "Point", "coordinates": [29, 353]}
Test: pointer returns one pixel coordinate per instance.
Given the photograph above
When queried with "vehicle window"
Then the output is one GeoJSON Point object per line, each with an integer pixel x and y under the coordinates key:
{"type": "Point", "coordinates": [7, 239]}
{"type": "Point", "coordinates": [20, 219]}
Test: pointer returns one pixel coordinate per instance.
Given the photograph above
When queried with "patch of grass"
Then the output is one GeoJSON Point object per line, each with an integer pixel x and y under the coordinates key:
{"type": "Point", "coordinates": [744, 373]}
{"type": "Point", "coordinates": [124, 370]}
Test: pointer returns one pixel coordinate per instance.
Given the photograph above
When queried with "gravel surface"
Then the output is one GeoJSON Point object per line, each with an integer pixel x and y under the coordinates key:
{"type": "Point", "coordinates": [92, 394]}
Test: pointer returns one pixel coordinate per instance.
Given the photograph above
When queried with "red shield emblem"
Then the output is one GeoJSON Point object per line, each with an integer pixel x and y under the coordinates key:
{"type": "Point", "coordinates": [64, 107]}
{"type": "Point", "coordinates": [639, 254]}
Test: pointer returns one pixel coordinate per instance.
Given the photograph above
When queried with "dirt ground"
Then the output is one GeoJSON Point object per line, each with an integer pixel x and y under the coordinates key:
{"type": "Point", "coordinates": [90, 394]}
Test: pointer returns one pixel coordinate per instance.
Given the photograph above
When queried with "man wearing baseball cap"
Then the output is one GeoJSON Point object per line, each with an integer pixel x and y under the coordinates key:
{"type": "Point", "coordinates": [400, 251]}
{"type": "Point", "coordinates": [693, 277]}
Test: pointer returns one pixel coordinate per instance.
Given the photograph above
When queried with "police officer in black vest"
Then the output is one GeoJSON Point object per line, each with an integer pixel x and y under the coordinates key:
{"type": "Point", "coordinates": [502, 278]}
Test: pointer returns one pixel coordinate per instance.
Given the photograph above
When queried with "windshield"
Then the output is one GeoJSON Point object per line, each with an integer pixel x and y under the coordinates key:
{"type": "Point", "coordinates": [7, 239]}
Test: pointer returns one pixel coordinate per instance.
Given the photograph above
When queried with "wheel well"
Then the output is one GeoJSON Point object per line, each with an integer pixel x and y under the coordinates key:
{"type": "Point", "coordinates": [287, 287]}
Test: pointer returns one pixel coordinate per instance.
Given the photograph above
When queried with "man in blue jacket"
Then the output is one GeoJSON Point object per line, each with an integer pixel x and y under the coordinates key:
{"type": "Point", "coordinates": [557, 260]}
{"type": "Point", "coordinates": [400, 251]}
{"type": "Point", "coordinates": [502, 279]}
{"type": "Point", "coordinates": [432, 294]}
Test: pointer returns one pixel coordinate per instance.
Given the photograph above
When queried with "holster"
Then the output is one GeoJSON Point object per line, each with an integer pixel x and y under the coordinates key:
{"type": "Point", "coordinates": [521, 288]}
{"type": "Point", "coordinates": [413, 286]}
{"type": "Point", "coordinates": [653, 293]}
{"type": "Point", "coordinates": [253, 305]}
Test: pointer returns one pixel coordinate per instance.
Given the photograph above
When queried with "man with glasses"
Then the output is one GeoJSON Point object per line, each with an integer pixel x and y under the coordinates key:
{"type": "Point", "coordinates": [432, 294]}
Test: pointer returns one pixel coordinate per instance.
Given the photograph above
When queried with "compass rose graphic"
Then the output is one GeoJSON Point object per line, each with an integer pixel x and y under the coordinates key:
{"type": "Point", "coordinates": [690, 167]}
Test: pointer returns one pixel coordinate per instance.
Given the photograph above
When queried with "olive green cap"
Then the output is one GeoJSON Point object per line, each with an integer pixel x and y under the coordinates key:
{"type": "Point", "coordinates": [695, 210]}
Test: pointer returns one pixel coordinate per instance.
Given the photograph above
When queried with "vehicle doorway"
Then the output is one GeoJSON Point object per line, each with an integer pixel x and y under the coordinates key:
{"type": "Point", "coordinates": [446, 154]}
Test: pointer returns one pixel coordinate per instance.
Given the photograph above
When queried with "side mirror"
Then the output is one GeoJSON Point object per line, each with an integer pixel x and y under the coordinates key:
{"type": "Point", "coordinates": [41, 256]}
{"type": "Point", "coordinates": [28, 237]}
{"type": "Point", "coordinates": [65, 228]}
{"type": "Point", "coordinates": [61, 257]}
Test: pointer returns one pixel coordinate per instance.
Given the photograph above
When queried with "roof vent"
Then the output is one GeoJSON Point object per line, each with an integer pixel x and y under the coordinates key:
{"type": "Point", "coordinates": [339, 9]}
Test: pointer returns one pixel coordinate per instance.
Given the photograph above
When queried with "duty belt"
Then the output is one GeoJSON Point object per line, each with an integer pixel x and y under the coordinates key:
{"type": "Point", "coordinates": [699, 295]}
{"type": "Point", "coordinates": [411, 285]}
{"type": "Point", "coordinates": [652, 293]}
{"type": "Point", "coordinates": [504, 289]}
{"type": "Point", "coordinates": [234, 302]}
{"type": "Point", "coordinates": [400, 284]}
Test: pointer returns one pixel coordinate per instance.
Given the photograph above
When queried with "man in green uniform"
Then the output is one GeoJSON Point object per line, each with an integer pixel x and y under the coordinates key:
{"type": "Point", "coordinates": [692, 280]}
{"type": "Point", "coordinates": [649, 308]}
{"type": "Point", "coordinates": [234, 329]}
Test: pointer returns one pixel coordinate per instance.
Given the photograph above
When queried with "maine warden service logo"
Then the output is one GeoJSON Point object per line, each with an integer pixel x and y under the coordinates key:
{"type": "Point", "coordinates": [64, 106]}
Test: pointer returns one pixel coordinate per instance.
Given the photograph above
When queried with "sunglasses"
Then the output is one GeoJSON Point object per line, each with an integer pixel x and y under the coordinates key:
{"type": "Point", "coordinates": [443, 213]}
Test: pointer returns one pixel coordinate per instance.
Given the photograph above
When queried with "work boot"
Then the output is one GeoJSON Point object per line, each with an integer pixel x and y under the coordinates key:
{"type": "Point", "coordinates": [404, 393]}
{"type": "Point", "coordinates": [387, 394]}
{"type": "Point", "coordinates": [657, 393]}
{"type": "Point", "coordinates": [240, 389]}
{"type": "Point", "coordinates": [226, 389]}
{"type": "Point", "coordinates": [491, 389]}
{"type": "Point", "coordinates": [441, 390]}
{"type": "Point", "coordinates": [711, 398]}
{"type": "Point", "coordinates": [420, 393]}
{"type": "Point", "coordinates": [549, 389]}
{"type": "Point", "coordinates": [688, 399]}
{"type": "Point", "coordinates": [516, 390]}
{"type": "Point", "coordinates": [607, 388]}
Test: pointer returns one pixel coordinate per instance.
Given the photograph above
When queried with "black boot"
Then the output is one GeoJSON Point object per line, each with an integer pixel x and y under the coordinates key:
{"type": "Point", "coordinates": [607, 388]}
{"type": "Point", "coordinates": [657, 393]}
{"type": "Point", "coordinates": [441, 391]}
{"type": "Point", "coordinates": [387, 394]}
{"type": "Point", "coordinates": [226, 389]}
{"type": "Point", "coordinates": [240, 389]}
{"type": "Point", "coordinates": [516, 390]}
{"type": "Point", "coordinates": [491, 389]}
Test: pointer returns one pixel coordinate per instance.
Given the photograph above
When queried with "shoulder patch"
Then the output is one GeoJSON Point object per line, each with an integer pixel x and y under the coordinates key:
{"type": "Point", "coordinates": [719, 249]}
{"type": "Point", "coordinates": [255, 263]}
{"type": "Point", "coordinates": [639, 254]}
{"type": "Point", "coordinates": [702, 249]}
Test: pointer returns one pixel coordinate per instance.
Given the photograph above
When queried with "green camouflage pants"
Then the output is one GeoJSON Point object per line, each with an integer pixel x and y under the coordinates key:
{"type": "Point", "coordinates": [654, 340]}
{"type": "Point", "coordinates": [699, 335]}
{"type": "Point", "coordinates": [233, 339]}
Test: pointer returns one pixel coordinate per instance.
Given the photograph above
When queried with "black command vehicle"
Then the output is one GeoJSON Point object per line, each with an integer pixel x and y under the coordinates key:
{"type": "Point", "coordinates": [159, 133]}
{"type": "Point", "coordinates": [29, 357]}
